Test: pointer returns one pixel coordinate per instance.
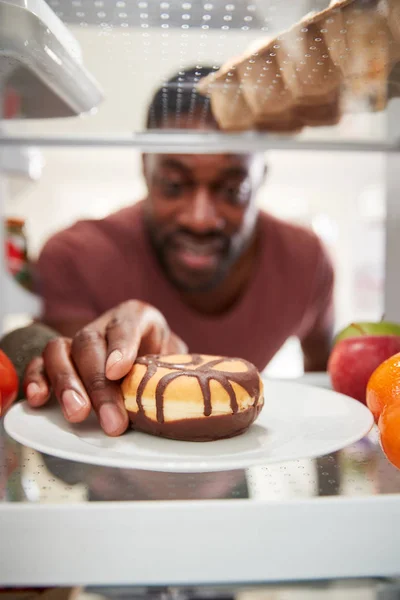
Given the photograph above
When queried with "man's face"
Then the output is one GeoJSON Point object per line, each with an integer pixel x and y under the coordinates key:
{"type": "Point", "coordinates": [201, 213]}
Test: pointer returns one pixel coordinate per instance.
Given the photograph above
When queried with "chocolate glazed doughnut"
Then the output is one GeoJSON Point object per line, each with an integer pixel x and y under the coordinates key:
{"type": "Point", "coordinates": [193, 397]}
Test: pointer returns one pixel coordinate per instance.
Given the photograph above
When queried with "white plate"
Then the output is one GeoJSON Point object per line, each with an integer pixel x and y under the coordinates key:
{"type": "Point", "coordinates": [298, 421]}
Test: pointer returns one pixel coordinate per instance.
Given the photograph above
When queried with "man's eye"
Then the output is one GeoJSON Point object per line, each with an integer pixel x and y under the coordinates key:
{"type": "Point", "coordinates": [236, 194]}
{"type": "Point", "coordinates": [232, 193]}
{"type": "Point", "coordinates": [173, 189]}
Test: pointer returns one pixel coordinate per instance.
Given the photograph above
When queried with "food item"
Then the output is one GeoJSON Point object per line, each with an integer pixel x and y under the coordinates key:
{"type": "Point", "coordinates": [332, 61]}
{"type": "Point", "coordinates": [8, 383]}
{"type": "Point", "coordinates": [383, 400]}
{"type": "Point", "coordinates": [384, 386]}
{"type": "Point", "coordinates": [23, 348]}
{"type": "Point", "coordinates": [358, 351]}
{"type": "Point", "coordinates": [381, 328]}
{"type": "Point", "coordinates": [17, 252]}
{"type": "Point", "coordinates": [389, 429]}
{"type": "Point", "coordinates": [192, 397]}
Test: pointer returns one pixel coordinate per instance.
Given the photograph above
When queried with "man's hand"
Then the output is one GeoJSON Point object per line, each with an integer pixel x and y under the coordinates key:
{"type": "Point", "coordinates": [84, 372]}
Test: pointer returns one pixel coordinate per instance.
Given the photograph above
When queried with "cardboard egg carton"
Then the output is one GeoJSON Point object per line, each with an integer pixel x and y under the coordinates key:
{"type": "Point", "coordinates": [343, 58]}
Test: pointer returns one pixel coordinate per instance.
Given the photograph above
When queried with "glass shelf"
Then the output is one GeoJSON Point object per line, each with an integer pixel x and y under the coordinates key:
{"type": "Point", "coordinates": [133, 48]}
{"type": "Point", "coordinates": [176, 142]}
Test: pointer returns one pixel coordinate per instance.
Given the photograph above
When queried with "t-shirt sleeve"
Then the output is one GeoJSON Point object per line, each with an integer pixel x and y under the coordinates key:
{"type": "Point", "coordinates": [60, 284]}
{"type": "Point", "coordinates": [319, 316]}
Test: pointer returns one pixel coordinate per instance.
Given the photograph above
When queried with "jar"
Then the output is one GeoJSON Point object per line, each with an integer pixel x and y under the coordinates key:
{"type": "Point", "coordinates": [16, 252]}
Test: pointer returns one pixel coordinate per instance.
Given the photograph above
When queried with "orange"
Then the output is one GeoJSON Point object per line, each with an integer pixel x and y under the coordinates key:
{"type": "Point", "coordinates": [383, 387]}
{"type": "Point", "coordinates": [389, 427]}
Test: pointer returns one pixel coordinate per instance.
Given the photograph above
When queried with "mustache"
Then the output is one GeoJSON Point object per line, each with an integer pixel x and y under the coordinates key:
{"type": "Point", "coordinates": [183, 236]}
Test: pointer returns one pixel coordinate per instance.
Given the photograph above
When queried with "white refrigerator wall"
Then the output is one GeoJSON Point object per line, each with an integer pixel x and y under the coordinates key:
{"type": "Point", "coordinates": [341, 195]}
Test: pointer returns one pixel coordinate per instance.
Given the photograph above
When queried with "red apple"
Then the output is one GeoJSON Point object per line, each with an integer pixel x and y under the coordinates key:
{"type": "Point", "coordinates": [354, 359]}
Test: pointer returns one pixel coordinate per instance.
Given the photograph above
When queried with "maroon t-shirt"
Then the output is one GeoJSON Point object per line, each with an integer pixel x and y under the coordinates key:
{"type": "Point", "coordinates": [97, 264]}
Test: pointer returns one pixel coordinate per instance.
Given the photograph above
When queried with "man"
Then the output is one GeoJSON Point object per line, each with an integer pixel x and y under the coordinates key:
{"type": "Point", "coordinates": [195, 265]}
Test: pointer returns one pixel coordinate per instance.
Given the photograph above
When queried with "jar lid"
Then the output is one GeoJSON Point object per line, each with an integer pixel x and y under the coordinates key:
{"type": "Point", "coordinates": [15, 222]}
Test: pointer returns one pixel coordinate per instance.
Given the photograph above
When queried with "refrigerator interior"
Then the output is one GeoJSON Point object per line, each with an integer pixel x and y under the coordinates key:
{"type": "Point", "coordinates": [341, 181]}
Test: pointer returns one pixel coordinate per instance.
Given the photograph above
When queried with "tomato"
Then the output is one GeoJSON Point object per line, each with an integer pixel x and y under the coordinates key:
{"type": "Point", "coordinates": [8, 383]}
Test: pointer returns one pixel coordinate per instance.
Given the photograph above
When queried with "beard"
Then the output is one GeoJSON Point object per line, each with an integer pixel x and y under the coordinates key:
{"type": "Point", "coordinates": [194, 280]}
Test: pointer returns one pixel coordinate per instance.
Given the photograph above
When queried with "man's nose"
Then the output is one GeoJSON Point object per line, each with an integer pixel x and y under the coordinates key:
{"type": "Point", "coordinates": [202, 212]}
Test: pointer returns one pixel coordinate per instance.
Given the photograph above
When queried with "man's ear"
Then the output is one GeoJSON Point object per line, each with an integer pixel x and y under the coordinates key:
{"type": "Point", "coordinates": [145, 166]}
{"type": "Point", "coordinates": [261, 170]}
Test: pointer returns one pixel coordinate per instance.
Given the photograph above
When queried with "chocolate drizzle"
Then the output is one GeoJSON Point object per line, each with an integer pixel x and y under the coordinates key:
{"type": "Point", "coordinates": [204, 372]}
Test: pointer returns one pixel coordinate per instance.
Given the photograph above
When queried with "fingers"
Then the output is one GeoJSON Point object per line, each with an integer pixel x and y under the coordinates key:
{"type": "Point", "coordinates": [134, 328]}
{"type": "Point", "coordinates": [65, 381]}
{"type": "Point", "coordinates": [89, 354]}
{"type": "Point", "coordinates": [123, 332]}
{"type": "Point", "coordinates": [35, 383]}
{"type": "Point", "coordinates": [85, 372]}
